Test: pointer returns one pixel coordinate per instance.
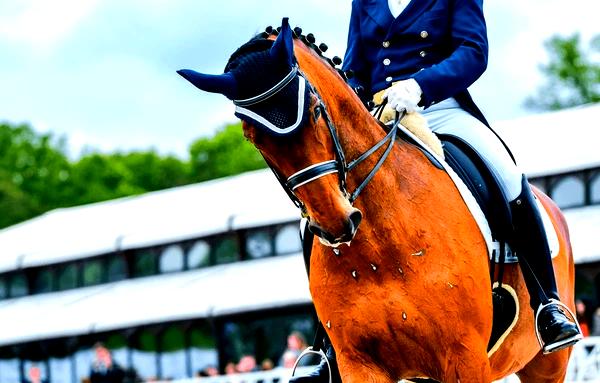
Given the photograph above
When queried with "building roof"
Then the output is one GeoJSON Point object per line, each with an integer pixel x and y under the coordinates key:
{"type": "Point", "coordinates": [246, 200]}
{"type": "Point", "coordinates": [210, 292]}
{"type": "Point", "coordinates": [554, 142]}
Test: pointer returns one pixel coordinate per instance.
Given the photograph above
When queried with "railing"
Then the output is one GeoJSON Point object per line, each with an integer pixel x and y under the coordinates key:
{"type": "Point", "coordinates": [584, 367]}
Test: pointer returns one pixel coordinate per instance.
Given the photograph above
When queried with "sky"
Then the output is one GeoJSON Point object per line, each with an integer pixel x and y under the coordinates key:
{"type": "Point", "coordinates": [102, 73]}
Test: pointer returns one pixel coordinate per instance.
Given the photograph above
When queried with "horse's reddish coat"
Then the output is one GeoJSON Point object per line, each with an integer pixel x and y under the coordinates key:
{"type": "Point", "coordinates": [411, 296]}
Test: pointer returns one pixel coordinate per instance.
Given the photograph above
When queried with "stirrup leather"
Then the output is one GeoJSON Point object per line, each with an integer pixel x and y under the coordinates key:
{"type": "Point", "coordinates": [307, 351]}
{"type": "Point", "coordinates": [557, 345]}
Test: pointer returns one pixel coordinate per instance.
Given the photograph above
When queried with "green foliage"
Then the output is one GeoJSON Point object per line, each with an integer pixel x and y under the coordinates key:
{"type": "Point", "coordinates": [33, 173]}
{"type": "Point", "coordinates": [37, 176]}
{"type": "Point", "coordinates": [573, 78]}
{"type": "Point", "coordinates": [98, 177]}
{"type": "Point", "coordinates": [227, 153]}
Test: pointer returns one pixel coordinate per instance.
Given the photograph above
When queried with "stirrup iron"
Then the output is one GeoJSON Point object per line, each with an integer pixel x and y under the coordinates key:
{"type": "Point", "coordinates": [537, 331]}
{"type": "Point", "coordinates": [310, 350]}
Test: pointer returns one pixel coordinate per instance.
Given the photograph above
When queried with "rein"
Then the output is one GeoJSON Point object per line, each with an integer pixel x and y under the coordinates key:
{"type": "Point", "coordinates": [339, 164]}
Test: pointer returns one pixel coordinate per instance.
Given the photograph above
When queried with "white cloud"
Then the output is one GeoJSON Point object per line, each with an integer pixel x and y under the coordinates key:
{"type": "Point", "coordinates": [42, 24]}
{"type": "Point", "coordinates": [113, 85]}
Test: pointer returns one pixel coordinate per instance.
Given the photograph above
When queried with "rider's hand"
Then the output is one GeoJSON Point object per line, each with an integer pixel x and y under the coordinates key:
{"type": "Point", "coordinates": [404, 95]}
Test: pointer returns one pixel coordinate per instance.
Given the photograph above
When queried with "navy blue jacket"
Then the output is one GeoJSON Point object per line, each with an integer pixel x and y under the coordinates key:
{"type": "Point", "coordinates": [442, 44]}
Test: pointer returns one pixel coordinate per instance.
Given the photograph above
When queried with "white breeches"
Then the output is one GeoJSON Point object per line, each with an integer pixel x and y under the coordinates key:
{"type": "Point", "coordinates": [447, 117]}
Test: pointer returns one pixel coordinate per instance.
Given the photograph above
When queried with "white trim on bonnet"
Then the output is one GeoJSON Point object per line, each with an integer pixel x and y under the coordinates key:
{"type": "Point", "coordinates": [268, 124]}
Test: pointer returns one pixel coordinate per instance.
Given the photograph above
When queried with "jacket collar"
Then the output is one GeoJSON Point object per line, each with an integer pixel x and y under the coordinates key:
{"type": "Point", "coordinates": [380, 12]}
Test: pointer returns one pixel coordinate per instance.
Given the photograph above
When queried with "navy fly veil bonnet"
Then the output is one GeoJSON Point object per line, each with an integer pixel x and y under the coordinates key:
{"type": "Point", "coordinates": [263, 81]}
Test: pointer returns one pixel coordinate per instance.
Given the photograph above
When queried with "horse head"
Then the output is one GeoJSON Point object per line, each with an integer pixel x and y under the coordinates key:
{"type": "Point", "coordinates": [285, 117]}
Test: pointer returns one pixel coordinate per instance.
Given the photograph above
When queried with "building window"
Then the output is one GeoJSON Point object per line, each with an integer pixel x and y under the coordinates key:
{"type": "Point", "coordinates": [595, 189]}
{"type": "Point", "coordinates": [569, 192]}
{"type": "Point", "coordinates": [198, 255]}
{"type": "Point", "coordinates": [173, 353]}
{"type": "Point", "coordinates": [67, 277]}
{"type": "Point", "coordinates": [117, 268]}
{"type": "Point", "coordinates": [226, 250]}
{"type": "Point", "coordinates": [43, 281]}
{"type": "Point", "coordinates": [143, 356]}
{"type": "Point", "coordinates": [60, 369]}
{"type": "Point", "coordinates": [18, 285]}
{"type": "Point", "coordinates": [287, 239]}
{"type": "Point", "coordinates": [144, 263]}
{"type": "Point", "coordinates": [203, 347]}
{"type": "Point", "coordinates": [171, 259]}
{"type": "Point", "coordinates": [3, 287]}
{"type": "Point", "coordinates": [10, 370]}
{"type": "Point", "coordinates": [83, 359]}
{"type": "Point", "coordinates": [258, 244]}
{"type": "Point", "coordinates": [92, 272]}
{"type": "Point", "coordinates": [117, 344]}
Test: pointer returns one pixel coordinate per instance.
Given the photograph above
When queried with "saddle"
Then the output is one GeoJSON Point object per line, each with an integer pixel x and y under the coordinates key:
{"type": "Point", "coordinates": [486, 189]}
{"type": "Point", "coordinates": [482, 192]}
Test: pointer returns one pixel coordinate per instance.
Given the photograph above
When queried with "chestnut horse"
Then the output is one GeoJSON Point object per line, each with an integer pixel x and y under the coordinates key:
{"type": "Point", "coordinates": [408, 294]}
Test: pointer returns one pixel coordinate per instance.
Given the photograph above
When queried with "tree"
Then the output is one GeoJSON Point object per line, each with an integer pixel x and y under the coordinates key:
{"type": "Point", "coordinates": [572, 77]}
{"type": "Point", "coordinates": [34, 173]}
{"type": "Point", "coordinates": [226, 153]}
{"type": "Point", "coordinates": [98, 177]}
{"type": "Point", "coordinates": [36, 176]}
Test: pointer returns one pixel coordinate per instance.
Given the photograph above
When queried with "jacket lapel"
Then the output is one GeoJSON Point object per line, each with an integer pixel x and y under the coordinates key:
{"type": "Point", "coordinates": [380, 12]}
{"type": "Point", "coordinates": [410, 14]}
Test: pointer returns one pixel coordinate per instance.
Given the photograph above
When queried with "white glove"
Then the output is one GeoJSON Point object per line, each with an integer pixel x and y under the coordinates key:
{"type": "Point", "coordinates": [404, 95]}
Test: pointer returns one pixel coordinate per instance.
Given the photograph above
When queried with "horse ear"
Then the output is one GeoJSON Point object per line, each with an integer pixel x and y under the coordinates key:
{"type": "Point", "coordinates": [283, 48]}
{"type": "Point", "coordinates": [224, 83]}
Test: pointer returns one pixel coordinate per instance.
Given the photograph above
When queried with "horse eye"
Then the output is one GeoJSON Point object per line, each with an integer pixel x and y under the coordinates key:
{"type": "Point", "coordinates": [317, 113]}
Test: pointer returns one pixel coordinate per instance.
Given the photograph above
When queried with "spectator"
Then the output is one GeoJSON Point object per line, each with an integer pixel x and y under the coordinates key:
{"type": "Point", "coordinates": [208, 371]}
{"type": "Point", "coordinates": [296, 343]}
{"type": "Point", "coordinates": [288, 359]}
{"type": "Point", "coordinates": [230, 369]}
{"type": "Point", "coordinates": [104, 370]}
{"type": "Point", "coordinates": [267, 365]}
{"type": "Point", "coordinates": [34, 375]}
{"type": "Point", "coordinates": [584, 318]}
{"type": "Point", "coordinates": [247, 363]}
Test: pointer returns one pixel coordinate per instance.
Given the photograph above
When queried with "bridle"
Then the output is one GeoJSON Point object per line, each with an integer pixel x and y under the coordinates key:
{"type": "Point", "coordinates": [338, 165]}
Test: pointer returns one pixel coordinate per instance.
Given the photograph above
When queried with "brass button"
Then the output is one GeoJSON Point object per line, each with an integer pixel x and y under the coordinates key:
{"type": "Point", "coordinates": [386, 62]}
{"type": "Point", "coordinates": [386, 44]}
{"type": "Point", "coordinates": [389, 79]}
{"type": "Point", "coordinates": [424, 34]}
{"type": "Point", "coordinates": [422, 53]}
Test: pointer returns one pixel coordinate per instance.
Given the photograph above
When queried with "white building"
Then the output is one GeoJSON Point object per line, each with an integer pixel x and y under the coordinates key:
{"type": "Point", "coordinates": [176, 280]}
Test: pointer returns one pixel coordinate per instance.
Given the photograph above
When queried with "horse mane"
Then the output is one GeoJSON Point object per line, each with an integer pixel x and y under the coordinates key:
{"type": "Point", "coordinates": [263, 41]}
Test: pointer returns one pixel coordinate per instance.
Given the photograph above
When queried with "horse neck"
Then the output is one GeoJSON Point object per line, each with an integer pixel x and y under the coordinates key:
{"type": "Point", "coordinates": [405, 183]}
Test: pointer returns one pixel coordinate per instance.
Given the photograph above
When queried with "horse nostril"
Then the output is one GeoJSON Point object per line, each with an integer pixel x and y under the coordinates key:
{"type": "Point", "coordinates": [354, 220]}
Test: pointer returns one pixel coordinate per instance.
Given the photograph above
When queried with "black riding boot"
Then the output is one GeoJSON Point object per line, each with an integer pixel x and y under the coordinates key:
{"type": "Point", "coordinates": [321, 372]}
{"type": "Point", "coordinates": [531, 246]}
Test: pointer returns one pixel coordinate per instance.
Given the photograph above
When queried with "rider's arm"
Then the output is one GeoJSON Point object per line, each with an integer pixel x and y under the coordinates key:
{"type": "Point", "coordinates": [468, 60]}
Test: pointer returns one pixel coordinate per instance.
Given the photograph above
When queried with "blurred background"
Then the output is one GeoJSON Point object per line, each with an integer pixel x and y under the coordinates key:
{"type": "Point", "coordinates": [140, 234]}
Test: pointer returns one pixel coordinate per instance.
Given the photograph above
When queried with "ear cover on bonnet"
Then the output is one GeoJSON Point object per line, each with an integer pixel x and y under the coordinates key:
{"type": "Point", "coordinates": [255, 69]}
{"type": "Point", "coordinates": [283, 48]}
{"type": "Point", "coordinates": [287, 110]}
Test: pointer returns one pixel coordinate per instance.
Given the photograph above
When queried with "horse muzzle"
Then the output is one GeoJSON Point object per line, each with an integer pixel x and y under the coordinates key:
{"type": "Point", "coordinates": [350, 226]}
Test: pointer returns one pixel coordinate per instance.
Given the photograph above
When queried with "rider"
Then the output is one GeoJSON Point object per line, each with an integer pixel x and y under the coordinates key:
{"type": "Point", "coordinates": [425, 54]}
